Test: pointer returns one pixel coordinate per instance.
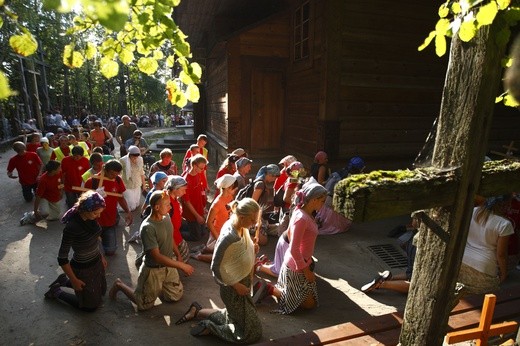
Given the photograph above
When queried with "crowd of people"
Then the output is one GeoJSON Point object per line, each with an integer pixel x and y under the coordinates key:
{"type": "Point", "coordinates": [283, 200]}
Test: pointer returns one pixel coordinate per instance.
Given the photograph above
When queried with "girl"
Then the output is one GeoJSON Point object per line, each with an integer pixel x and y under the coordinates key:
{"type": "Point", "coordinates": [85, 273]}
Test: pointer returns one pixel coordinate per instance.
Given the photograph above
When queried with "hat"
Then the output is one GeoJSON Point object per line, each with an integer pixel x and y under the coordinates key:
{"type": "Point", "coordinates": [233, 158]}
{"type": "Point", "coordinates": [287, 160]}
{"type": "Point", "coordinates": [49, 134]}
{"type": "Point", "coordinates": [356, 162]}
{"type": "Point", "coordinates": [194, 146]}
{"type": "Point", "coordinates": [44, 140]}
{"type": "Point", "coordinates": [273, 170]}
{"type": "Point", "coordinates": [225, 181]}
{"type": "Point", "coordinates": [137, 132]}
{"type": "Point", "coordinates": [174, 182]}
{"type": "Point", "coordinates": [158, 176]}
{"type": "Point", "coordinates": [243, 161]}
{"type": "Point", "coordinates": [320, 156]}
{"type": "Point", "coordinates": [133, 150]}
{"type": "Point", "coordinates": [295, 166]}
{"type": "Point", "coordinates": [239, 152]}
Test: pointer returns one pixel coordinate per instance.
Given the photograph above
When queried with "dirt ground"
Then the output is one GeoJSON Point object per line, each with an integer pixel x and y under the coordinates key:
{"type": "Point", "coordinates": [28, 264]}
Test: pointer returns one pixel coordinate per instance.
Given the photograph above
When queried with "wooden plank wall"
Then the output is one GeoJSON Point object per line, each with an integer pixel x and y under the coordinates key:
{"type": "Point", "coordinates": [217, 94]}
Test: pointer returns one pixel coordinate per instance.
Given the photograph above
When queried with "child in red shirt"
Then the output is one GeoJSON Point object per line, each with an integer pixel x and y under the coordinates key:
{"type": "Point", "coordinates": [28, 165]}
{"type": "Point", "coordinates": [72, 168]}
{"type": "Point", "coordinates": [50, 191]}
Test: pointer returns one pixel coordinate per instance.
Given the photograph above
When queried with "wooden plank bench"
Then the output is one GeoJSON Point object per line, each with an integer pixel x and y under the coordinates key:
{"type": "Point", "coordinates": [385, 329]}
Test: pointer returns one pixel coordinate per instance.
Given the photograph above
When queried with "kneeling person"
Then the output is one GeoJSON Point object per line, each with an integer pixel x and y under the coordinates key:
{"type": "Point", "coordinates": [158, 273]}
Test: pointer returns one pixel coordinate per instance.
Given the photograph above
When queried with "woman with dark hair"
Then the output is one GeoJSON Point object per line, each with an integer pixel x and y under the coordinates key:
{"type": "Point", "coordinates": [99, 135]}
{"type": "Point", "coordinates": [319, 169]}
{"type": "Point", "coordinates": [85, 273]}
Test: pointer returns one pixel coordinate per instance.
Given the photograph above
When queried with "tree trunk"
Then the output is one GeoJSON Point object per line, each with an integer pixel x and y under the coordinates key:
{"type": "Point", "coordinates": [472, 78]}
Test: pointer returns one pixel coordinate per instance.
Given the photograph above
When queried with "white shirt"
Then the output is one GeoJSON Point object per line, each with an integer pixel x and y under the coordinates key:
{"type": "Point", "coordinates": [481, 247]}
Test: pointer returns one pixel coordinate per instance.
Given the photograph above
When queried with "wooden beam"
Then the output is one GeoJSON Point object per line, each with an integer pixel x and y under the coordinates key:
{"type": "Point", "coordinates": [381, 194]}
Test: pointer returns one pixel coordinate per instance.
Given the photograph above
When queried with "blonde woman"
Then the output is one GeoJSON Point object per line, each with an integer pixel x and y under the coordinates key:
{"type": "Point", "coordinates": [232, 263]}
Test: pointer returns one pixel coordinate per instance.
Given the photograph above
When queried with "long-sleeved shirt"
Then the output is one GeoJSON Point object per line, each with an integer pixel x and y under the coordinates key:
{"type": "Point", "coordinates": [304, 231]}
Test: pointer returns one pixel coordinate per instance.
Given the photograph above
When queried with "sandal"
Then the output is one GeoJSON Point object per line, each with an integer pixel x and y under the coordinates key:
{"type": "Point", "coordinates": [187, 315]}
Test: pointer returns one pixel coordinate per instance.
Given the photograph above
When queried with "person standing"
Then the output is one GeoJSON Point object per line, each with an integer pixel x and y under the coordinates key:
{"type": "Point", "coordinates": [85, 273]}
{"type": "Point", "coordinates": [109, 181]}
{"type": "Point", "coordinates": [28, 165]}
{"type": "Point", "coordinates": [62, 150]}
{"type": "Point", "coordinates": [138, 141]}
{"type": "Point", "coordinates": [133, 177]}
{"type": "Point", "coordinates": [232, 263]}
{"type": "Point", "coordinates": [124, 132]}
{"type": "Point", "coordinates": [194, 201]}
{"type": "Point", "coordinates": [44, 151]}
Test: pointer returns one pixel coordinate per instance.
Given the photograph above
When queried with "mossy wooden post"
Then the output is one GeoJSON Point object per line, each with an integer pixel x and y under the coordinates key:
{"type": "Point", "coordinates": [473, 75]}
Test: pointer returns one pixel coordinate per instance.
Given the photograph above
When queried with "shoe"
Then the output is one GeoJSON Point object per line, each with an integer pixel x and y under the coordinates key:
{"type": "Point", "coordinates": [61, 280]}
{"type": "Point", "coordinates": [187, 315]}
{"type": "Point", "coordinates": [377, 281]}
{"type": "Point", "coordinates": [53, 292]}
{"type": "Point", "coordinates": [260, 291]}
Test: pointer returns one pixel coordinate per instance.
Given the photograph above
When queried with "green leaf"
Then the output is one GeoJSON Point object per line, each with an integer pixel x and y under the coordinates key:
{"type": "Point", "coordinates": [427, 41]}
{"type": "Point", "coordinates": [499, 99]}
{"type": "Point", "coordinates": [442, 26]}
{"type": "Point", "coordinates": [112, 15]}
{"type": "Point", "coordinates": [90, 51]}
{"type": "Point", "coordinates": [467, 30]}
{"type": "Point", "coordinates": [147, 65]}
{"type": "Point", "coordinates": [181, 100]}
{"type": "Point", "coordinates": [108, 67]}
{"type": "Point", "coordinates": [487, 14]}
{"type": "Point", "coordinates": [443, 11]}
{"type": "Point", "coordinates": [185, 78]}
{"type": "Point", "coordinates": [126, 56]}
{"type": "Point", "coordinates": [158, 55]}
{"type": "Point", "coordinates": [51, 4]}
{"type": "Point", "coordinates": [71, 58]}
{"type": "Point", "coordinates": [195, 72]}
{"type": "Point", "coordinates": [455, 8]}
{"type": "Point", "coordinates": [502, 37]}
{"type": "Point", "coordinates": [5, 90]}
{"type": "Point", "coordinates": [24, 44]}
{"type": "Point", "coordinates": [502, 4]}
{"type": "Point", "coordinates": [440, 45]}
{"type": "Point", "coordinates": [1, 22]}
{"type": "Point", "coordinates": [170, 61]}
{"type": "Point", "coordinates": [510, 101]}
{"type": "Point", "coordinates": [192, 93]}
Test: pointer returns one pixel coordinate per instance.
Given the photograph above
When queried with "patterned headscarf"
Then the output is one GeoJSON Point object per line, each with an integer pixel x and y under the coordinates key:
{"type": "Point", "coordinates": [320, 157]}
{"type": "Point", "coordinates": [89, 201]}
{"type": "Point", "coordinates": [310, 191]}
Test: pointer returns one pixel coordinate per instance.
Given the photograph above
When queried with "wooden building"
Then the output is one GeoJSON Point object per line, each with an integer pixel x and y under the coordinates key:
{"type": "Point", "coordinates": [297, 76]}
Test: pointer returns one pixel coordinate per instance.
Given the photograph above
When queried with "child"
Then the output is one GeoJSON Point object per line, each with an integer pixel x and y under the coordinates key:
{"type": "Point", "coordinates": [158, 179]}
{"type": "Point", "coordinates": [158, 273]}
{"type": "Point", "coordinates": [28, 165]}
{"type": "Point", "coordinates": [50, 191]}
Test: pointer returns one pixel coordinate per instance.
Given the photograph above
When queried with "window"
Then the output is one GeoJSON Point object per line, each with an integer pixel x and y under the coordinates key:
{"type": "Point", "coordinates": [301, 31]}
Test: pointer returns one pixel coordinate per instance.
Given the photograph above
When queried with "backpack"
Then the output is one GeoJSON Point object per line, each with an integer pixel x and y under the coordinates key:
{"type": "Point", "coordinates": [247, 191]}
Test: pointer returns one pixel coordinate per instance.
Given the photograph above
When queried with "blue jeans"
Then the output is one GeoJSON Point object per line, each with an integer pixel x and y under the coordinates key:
{"type": "Point", "coordinates": [109, 240]}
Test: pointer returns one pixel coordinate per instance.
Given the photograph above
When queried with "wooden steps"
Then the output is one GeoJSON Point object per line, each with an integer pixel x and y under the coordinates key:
{"type": "Point", "coordinates": [385, 329]}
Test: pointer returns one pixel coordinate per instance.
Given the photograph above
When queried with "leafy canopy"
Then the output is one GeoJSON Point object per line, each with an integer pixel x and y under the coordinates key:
{"type": "Point", "coordinates": [139, 32]}
{"type": "Point", "coordinates": [465, 17]}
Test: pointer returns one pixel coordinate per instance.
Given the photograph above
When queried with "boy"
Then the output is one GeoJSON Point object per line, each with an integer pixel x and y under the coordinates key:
{"type": "Point", "coordinates": [158, 273]}
{"type": "Point", "coordinates": [50, 191]}
{"type": "Point", "coordinates": [72, 168]}
{"type": "Point", "coordinates": [194, 201]}
{"type": "Point", "coordinates": [28, 165]}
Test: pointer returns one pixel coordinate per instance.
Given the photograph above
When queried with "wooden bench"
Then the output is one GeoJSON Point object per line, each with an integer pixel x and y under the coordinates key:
{"type": "Point", "coordinates": [385, 329]}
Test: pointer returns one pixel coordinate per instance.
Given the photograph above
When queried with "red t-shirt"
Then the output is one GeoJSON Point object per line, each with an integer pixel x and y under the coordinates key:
{"type": "Point", "coordinates": [109, 215]}
{"type": "Point", "coordinates": [176, 218]}
{"type": "Point", "coordinates": [195, 194]}
{"type": "Point", "coordinates": [73, 170]}
{"type": "Point", "coordinates": [278, 183]}
{"type": "Point", "coordinates": [28, 167]}
{"type": "Point", "coordinates": [48, 187]}
{"type": "Point", "coordinates": [32, 147]}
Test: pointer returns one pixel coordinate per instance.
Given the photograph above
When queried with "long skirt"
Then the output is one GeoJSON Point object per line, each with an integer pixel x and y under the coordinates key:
{"type": "Point", "coordinates": [239, 322]}
{"type": "Point", "coordinates": [295, 289]}
{"type": "Point", "coordinates": [95, 285]}
{"type": "Point", "coordinates": [133, 198]}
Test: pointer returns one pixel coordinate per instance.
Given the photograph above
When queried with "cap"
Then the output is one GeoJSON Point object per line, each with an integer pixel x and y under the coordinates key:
{"type": "Point", "coordinates": [243, 161]}
{"type": "Point", "coordinates": [44, 140]}
{"type": "Point", "coordinates": [295, 166]}
{"type": "Point", "coordinates": [137, 132]}
{"type": "Point", "coordinates": [158, 176]}
{"type": "Point", "coordinates": [194, 146]}
{"type": "Point", "coordinates": [49, 134]}
{"type": "Point", "coordinates": [273, 169]}
{"type": "Point", "coordinates": [233, 158]}
{"type": "Point", "coordinates": [225, 181]}
{"type": "Point", "coordinates": [133, 150]}
{"type": "Point", "coordinates": [174, 182]}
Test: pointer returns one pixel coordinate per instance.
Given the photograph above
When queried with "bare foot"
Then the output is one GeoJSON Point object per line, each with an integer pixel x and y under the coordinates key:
{"type": "Point", "coordinates": [115, 288]}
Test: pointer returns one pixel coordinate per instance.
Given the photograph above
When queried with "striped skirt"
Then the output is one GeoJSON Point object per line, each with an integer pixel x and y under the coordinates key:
{"type": "Point", "coordinates": [295, 289]}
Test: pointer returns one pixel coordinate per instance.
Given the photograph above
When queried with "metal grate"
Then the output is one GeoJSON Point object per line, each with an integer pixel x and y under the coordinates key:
{"type": "Point", "coordinates": [389, 254]}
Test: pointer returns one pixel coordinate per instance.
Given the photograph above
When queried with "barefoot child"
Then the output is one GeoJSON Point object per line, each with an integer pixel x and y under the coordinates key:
{"type": "Point", "coordinates": [158, 273]}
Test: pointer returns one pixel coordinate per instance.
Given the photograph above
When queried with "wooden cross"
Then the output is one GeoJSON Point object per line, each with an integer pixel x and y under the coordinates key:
{"type": "Point", "coordinates": [485, 329]}
{"type": "Point", "coordinates": [447, 189]}
{"type": "Point", "coordinates": [509, 151]}
{"type": "Point", "coordinates": [101, 178]}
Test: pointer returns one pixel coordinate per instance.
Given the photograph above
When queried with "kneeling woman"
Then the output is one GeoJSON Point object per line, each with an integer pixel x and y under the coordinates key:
{"type": "Point", "coordinates": [233, 260]}
{"type": "Point", "coordinates": [85, 273]}
{"type": "Point", "coordinates": [296, 285]}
